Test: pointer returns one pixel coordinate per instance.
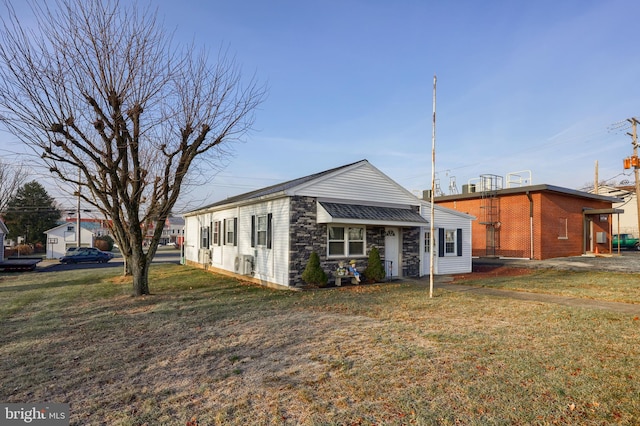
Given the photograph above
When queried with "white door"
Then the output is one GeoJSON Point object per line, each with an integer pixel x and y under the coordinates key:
{"type": "Point", "coordinates": [426, 255]}
{"type": "Point", "coordinates": [392, 252]}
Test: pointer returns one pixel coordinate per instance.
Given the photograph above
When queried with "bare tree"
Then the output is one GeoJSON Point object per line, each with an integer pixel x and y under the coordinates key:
{"type": "Point", "coordinates": [118, 111]}
{"type": "Point", "coordinates": [11, 178]}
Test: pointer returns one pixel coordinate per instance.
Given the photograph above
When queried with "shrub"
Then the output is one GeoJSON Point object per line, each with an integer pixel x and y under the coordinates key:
{"type": "Point", "coordinates": [313, 273]}
{"type": "Point", "coordinates": [24, 249]}
{"type": "Point", "coordinates": [374, 271]}
{"type": "Point", "coordinates": [104, 243]}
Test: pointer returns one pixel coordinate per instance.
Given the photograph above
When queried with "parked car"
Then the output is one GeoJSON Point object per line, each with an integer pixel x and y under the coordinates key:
{"type": "Point", "coordinates": [626, 242]}
{"type": "Point", "coordinates": [86, 254]}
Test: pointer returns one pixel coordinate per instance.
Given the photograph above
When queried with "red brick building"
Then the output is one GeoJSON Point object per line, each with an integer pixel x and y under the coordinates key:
{"type": "Point", "coordinates": [537, 221]}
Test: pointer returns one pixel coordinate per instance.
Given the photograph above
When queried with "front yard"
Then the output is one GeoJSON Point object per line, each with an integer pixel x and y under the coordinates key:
{"type": "Point", "coordinates": [212, 350]}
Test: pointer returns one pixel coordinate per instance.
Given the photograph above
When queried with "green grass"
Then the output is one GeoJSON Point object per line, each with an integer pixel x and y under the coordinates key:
{"type": "Point", "coordinates": [613, 287]}
{"type": "Point", "coordinates": [213, 349]}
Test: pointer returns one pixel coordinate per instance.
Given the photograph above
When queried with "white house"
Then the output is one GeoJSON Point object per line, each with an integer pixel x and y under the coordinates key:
{"type": "Point", "coordinates": [60, 238]}
{"type": "Point", "coordinates": [267, 235]}
{"type": "Point", "coordinates": [627, 222]}
{"type": "Point", "coordinates": [3, 231]}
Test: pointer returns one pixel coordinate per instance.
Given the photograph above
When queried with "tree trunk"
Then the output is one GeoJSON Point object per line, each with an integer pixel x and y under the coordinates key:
{"type": "Point", "coordinates": [139, 266]}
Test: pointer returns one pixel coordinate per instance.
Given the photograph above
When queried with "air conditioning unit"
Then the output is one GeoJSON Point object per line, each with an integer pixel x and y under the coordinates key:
{"type": "Point", "coordinates": [204, 256]}
{"type": "Point", "coordinates": [243, 264]}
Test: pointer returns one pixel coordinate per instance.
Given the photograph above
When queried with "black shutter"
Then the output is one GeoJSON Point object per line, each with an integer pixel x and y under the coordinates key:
{"type": "Point", "coordinates": [253, 231]}
{"type": "Point", "coordinates": [235, 231]}
{"type": "Point", "coordinates": [459, 241]}
{"type": "Point", "coordinates": [269, 229]}
{"type": "Point", "coordinates": [441, 244]}
{"type": "Point", "coordinates": [224, 231]}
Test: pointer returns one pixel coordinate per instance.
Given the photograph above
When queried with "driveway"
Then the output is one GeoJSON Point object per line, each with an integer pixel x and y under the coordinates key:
{"type": "Point", "coordinates": [626, 261]}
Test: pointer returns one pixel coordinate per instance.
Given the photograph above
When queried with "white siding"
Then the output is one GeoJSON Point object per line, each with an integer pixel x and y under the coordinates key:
{"type": "Point", "coordinates": [191, 238]}
{"type": "Point", "coordinates": [361, 183]}
{"type": "Point", "coordinates": [270, 265]}
{"type": "Point", "coordinates": [448, 219]}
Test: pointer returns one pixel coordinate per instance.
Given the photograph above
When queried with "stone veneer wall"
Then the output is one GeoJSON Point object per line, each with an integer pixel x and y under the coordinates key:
{"type": "Point", "coordinates": [306, 236]}
{"type": "Point", "coordinates": [411, 252]}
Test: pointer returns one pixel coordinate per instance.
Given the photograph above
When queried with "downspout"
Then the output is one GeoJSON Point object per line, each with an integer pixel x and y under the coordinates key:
{"type": "Point", "coordinates": [530, 223]}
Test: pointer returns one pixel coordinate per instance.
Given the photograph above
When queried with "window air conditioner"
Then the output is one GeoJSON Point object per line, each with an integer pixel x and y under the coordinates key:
{"type": "Point", "coordinates": [243, 264]}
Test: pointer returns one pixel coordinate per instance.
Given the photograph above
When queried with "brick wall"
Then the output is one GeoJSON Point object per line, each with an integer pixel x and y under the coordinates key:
{"type": "Point", "coordinates": [558, 225]}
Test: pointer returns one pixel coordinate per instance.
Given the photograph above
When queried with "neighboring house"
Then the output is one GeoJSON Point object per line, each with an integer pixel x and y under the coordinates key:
{"type": "Point", "coordinates": [537, 221]}
{"type": "Point", "coordinates": [268, 235]}
{"type": "Point", "coordinates": [60, 238]}
{"type": "Point", "coordinates": [172, 231]}
{"type": "Point", "coordinates": [628, 202]}
{"type": "Point", "coordinates": [3, 231]}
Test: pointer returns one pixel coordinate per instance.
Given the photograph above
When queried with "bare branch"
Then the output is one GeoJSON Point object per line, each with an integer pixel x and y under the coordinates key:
{"type": "Point", "coordinates": [98, 86]}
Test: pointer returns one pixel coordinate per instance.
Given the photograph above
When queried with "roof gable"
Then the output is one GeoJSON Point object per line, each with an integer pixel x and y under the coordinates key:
{"type": "Point", "coordinates": [359, 181]}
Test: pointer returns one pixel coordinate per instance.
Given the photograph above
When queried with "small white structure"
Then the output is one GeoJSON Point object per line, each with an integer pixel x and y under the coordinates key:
{"type": "Point", "coordinates": [60, 238]}
{"type": "Point", "coordinates": [627, 222]}
{"type": "Point", "coordinates": [3, 231]}
{"type": "Point", "coordinates": [267, 235]}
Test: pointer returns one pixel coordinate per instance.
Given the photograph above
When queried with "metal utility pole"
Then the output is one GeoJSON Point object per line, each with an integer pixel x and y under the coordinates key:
{"type": "Point", "coordinates": [635, 163]}
{"type": "Point", "coordinates": [433, 183]}
{"type": "Point", "coordinates": [78, 230]}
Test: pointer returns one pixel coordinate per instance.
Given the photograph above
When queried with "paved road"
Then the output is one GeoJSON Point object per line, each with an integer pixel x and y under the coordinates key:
{"type": "Point", "coordinates": [163, 255]}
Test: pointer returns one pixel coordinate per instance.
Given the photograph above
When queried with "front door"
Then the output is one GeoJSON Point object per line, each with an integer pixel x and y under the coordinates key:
{"type": "Point", "coordinates": [392, 252]}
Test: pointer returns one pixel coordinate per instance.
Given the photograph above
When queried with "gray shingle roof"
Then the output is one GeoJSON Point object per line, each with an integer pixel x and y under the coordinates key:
{"type": "Point", "coordinates": [387, 214]}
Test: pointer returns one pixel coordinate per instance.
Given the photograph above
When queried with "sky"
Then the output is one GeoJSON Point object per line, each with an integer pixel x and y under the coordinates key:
{"type": "Point", "coordinates": [543, 87]}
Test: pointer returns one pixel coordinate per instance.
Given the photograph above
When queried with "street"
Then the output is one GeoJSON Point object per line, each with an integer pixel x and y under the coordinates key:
{"type": "Point", "coordinates": [165, 254]}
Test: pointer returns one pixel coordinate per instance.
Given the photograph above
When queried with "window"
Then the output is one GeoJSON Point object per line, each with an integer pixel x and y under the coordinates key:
{"type": "Point", "coordinates": [70, 228]}
{"type": "Point", "coordinates": [427, 241]}
{"type": "Point", "coordinates": [346, 241]}
{"type": "Point", "coordinates": [449, 241]}
{"type": "Point", "coordinates": [230, 234]}
{"type": "Point", "coordinates": [204, 237]}
{"type": "Point", "coordinates": [216, 234]}
{"type": "Point", "coordinates": [563, 229]}
{"type": "Point", "coordinates": [261, 230]}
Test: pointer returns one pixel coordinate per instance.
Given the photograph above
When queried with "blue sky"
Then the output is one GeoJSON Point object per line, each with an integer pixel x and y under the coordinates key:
{"type": "Point", "coordinates": [521, 86]}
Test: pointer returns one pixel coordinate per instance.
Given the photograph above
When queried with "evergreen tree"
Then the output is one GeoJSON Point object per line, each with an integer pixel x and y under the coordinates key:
{"type": "Point", "coordinates": [313, 273]}
{"type": "Point", "coordinates": [30, 212]}
{"type": "Point", "coordinates": [375, 270]}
